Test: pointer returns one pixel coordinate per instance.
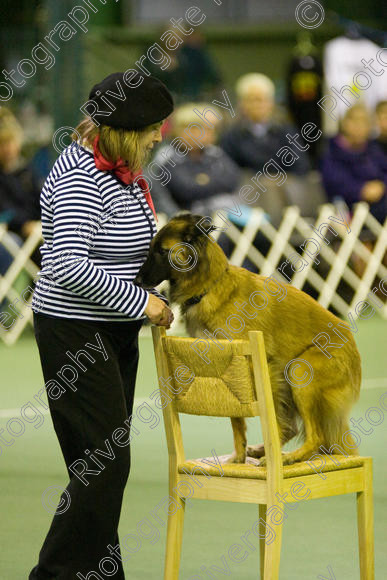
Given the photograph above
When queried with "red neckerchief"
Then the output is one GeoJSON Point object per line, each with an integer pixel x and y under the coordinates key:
{"type": "Point", "coordinates": [121, 170]}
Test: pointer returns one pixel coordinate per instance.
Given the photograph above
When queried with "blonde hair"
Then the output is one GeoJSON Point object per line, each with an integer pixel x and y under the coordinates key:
{"type": "Point", "coordinates": [114, 143]}
{"type": "Point", "coordinates": [256, 80]}
{"type": "Point", "coordinates": [357, 108]}
{"type": "Point", "coordinates": [10, 128]}
{"type": "Point", "coordinates": [185, 115]}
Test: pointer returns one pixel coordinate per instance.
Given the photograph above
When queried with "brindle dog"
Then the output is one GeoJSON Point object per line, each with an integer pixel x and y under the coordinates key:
{"type": "Point", "coordinates": [213, 290]}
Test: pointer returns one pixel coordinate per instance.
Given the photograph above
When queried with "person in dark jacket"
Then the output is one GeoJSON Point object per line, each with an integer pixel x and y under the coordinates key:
{"type": "Point", "coordinates": [353, 169]}
{"type": "Point", "coordinates": [381, 121]}
{"type": "Point", "coordinates": [192, 73]}
{"type": "Point", "coordinates": [255, 137]}
{"type": "Point", "coordinates": [205, 178]}
{"type": "Point", "coordinates": [19, 187]}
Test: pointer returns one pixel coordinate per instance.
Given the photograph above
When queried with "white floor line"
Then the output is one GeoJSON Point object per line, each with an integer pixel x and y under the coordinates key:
{"type": "Point", "coordinates": [375, 383]}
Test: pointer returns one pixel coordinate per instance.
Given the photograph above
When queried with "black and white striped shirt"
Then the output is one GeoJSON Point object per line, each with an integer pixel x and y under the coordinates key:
{"type": "Point", "coordinates": [97, 233]}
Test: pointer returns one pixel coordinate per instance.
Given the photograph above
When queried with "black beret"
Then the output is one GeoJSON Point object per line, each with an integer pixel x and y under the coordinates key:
{"type": "Point", "coordinates": [143, 105]}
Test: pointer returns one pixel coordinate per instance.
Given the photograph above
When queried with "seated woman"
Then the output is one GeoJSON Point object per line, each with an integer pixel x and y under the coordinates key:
{"type": "Point", "coordinates": [353, 169]}
{"type": "Point", "coordinates": [202, 176]}
{"type": "Point", "coordinates": [19, 187]}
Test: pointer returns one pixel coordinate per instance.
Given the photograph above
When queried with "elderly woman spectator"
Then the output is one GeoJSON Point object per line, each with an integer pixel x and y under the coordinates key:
{"type": "Point", "coordinates": [353, 168]}
{"type": "Point", "coordinates": [203, 177]}
{"type": "Point", "coordinates": [19, 186]}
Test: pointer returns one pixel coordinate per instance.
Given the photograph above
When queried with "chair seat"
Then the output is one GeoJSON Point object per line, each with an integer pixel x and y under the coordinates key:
{"type": "Point", "coordinates": [252, 470]}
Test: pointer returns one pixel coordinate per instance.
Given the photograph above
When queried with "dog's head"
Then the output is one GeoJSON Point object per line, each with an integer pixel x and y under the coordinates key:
{"type": "Point", "coordinates": [175, 250]}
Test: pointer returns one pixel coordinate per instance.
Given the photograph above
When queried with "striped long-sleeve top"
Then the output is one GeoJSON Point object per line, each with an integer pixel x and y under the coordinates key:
{"type": "Point", "coordinates": [97, 233]}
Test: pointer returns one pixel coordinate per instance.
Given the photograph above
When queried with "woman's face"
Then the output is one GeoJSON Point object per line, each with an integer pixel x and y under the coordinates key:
{"type": "Point", "coordinates": [150, 137]}
{"type": "Point", "coordinates": [9, 152]}
{"type": "Point", "coordinates": [194, 136]}
{"type": "Point", "coordinates": [356, 127]}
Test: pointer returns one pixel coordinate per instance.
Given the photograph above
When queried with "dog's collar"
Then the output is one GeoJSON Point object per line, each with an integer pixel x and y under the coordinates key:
{"type": "Point", "coordinates": [196, 299]}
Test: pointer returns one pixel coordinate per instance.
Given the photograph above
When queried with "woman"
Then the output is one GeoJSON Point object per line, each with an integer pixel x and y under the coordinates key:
{"type": "Point", "coordinates": [205, 179]}
{"type": "Point", "coordinates": [352, 168]}
{"type": "Point", "coordinates": [19, 187]}
{"type": "Point", "coordinates": [97, 226]}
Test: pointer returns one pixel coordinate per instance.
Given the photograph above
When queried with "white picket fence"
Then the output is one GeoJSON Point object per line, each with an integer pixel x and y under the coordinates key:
{"type": "Point", "coordinates": [293, 230]}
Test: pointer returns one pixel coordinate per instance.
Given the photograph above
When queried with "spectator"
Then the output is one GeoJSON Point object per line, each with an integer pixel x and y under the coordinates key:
{"type": "Point", "coordinates": [192, 73]}
{"type": "Point", "coordinates": [19, 188]}
{"type": "Point", "coordinates": [204, 178]}
{"type": "Point", "coordinates": [381, 120]}
{"type": "Point", "coordinates": [353, 168]}
{"type": "Point", "coordinates": [255, 137]}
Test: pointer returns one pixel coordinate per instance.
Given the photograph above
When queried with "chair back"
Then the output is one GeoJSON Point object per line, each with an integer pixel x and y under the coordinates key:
{"type": "Point", "coordinates": [234, 383]}
{"type": "Point", "coordinates": [222, 387]}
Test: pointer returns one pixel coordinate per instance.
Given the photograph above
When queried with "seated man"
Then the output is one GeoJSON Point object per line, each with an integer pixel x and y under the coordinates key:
{"type": "Point", "coordinates": [255, 138]}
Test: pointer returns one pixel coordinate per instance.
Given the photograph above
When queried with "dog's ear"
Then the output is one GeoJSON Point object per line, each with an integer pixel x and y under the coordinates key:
{"type": "Point", "coordinates": [192, 234]}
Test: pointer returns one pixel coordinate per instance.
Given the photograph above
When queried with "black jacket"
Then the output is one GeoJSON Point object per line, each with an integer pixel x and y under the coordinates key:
{"type": "Point", "coordinates": [252, 150]}
{"type": "Point", "coordinates": [19, 198]}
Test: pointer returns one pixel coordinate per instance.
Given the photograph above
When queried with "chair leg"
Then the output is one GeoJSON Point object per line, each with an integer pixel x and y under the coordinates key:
{"type": "Point", "coordinates": [174, 541]}
{"type": "Point", "coordinates": [262, 514]}
{"type": "Point", "coordinates": [272, 552]}
{"type": "Point", "coordinates": [365, 526]}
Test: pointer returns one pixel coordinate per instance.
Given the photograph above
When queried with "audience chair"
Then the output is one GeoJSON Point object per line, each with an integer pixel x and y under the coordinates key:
{"type": "Point", "coordinates": [236, 384]}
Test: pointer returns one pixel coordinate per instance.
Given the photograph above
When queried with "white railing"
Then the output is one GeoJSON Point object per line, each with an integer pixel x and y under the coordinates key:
{"type": "Point", "coordinates": [339, 256]}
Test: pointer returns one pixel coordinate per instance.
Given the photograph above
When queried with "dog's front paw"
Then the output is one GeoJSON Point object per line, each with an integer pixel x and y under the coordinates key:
{"type": "Point", "coordinates": [234, 458]}
{"type": "Point", "coordinates": [287, 459]}
{"type": "Point", "coordinates": [256, 451]}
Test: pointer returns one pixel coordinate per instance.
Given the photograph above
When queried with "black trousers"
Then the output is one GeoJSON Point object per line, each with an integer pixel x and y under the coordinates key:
{"type": "Point", "coordinates": [86, 410]}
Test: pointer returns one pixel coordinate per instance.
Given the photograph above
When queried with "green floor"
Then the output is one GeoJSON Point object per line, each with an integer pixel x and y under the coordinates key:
{"type": "Point", "coordinates": [317, 534]}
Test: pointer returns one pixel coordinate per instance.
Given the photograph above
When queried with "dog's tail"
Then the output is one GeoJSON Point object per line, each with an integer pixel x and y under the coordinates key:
{"type": "Point", "coordinates": [334, 421]}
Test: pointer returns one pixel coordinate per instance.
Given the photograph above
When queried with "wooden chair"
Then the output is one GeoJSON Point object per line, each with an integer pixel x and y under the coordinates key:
{"type": "Point", "coordinates": [236, 384]}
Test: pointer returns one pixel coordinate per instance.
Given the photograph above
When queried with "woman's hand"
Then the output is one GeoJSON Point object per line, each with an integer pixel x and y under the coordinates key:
{"type": "Point", "coordinates": [372, 191]}
{"type": "Point", "coordinates": [158, 312]}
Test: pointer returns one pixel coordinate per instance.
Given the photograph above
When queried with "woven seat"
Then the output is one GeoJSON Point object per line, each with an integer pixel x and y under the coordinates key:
{"type": "Point", "coordinates": [234, 382]}
{"type": "Point", "coordinates": [252, 470]}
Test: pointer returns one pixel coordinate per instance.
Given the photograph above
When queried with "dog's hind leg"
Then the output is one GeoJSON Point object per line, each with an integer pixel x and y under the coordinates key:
{"type": "Point", "coordinates": [324, 405]}
{"type": "Point", "coordinates": [240, 441]}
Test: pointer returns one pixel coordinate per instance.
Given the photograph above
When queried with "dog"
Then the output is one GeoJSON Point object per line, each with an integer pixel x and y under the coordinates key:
{"type": "Point", "coordinates": [207, 294]}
